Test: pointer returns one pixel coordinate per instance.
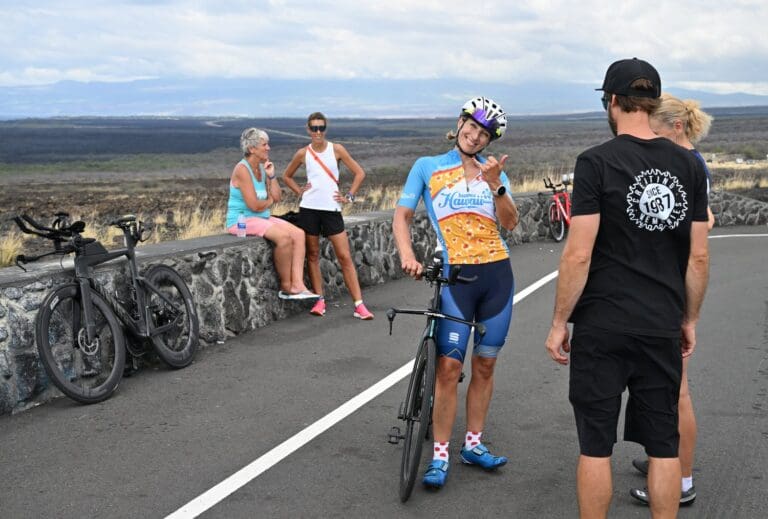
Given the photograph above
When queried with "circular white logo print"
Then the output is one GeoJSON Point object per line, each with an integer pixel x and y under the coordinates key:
{"type": "Point", "coordinates": [656, 201]}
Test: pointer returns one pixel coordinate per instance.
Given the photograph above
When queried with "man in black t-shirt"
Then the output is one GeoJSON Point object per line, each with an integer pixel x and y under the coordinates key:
{"type": "Point", "coordinates": [632, 279]}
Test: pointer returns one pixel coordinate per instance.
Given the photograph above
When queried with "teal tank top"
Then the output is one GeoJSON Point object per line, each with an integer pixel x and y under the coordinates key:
{"type": "Point", "coordinates": [236, 203]}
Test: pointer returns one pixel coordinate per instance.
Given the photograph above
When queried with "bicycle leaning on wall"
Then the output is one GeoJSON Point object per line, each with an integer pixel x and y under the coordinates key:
{"type": "Point", "coordinates": [78, 330]}
{"type": "Point", "coordinates": [416, 409]}
{"type": "Point", "coordinates": [559, 208]}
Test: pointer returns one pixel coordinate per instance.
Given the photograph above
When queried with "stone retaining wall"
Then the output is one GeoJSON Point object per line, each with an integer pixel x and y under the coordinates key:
{"type": "Point", "coordinates": [235, 286]}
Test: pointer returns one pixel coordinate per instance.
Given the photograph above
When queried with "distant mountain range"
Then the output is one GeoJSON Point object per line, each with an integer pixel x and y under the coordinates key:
{"type": "Point", "coordinates": [297, 98]}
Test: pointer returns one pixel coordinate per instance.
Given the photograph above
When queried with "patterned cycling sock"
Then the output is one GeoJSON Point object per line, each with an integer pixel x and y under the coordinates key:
{"type": "Point", "coordinates": [472, 439]}
{"type": "Point", "coordinates": [441, 451]}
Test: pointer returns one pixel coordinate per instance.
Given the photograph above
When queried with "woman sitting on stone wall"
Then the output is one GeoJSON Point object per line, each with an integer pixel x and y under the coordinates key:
{"type": "Point", "coordinates": [253, 189]}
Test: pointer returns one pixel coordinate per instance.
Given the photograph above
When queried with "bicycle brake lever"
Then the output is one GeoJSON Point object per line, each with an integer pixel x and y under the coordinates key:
{"type": "Point", "coordinates": [391, 318]}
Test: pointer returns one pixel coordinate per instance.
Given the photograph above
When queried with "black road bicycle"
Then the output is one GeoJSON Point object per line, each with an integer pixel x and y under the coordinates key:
{"type": "Point", "coordinates": [78, 326]}
{"type": "Point", "coordinates": [416, 409]}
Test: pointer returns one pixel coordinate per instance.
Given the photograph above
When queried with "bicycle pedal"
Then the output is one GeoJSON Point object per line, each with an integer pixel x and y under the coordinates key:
{"type": "Point", "coordinates": [394, 436]}
{"type": "Point", "coordinates": [131, 367]}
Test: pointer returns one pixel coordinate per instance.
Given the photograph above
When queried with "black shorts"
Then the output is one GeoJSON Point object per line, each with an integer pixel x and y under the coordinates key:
{"type": "Point", "coordinates": [603, 364]}
{"type": "Point", "coordinates": [316, 222]}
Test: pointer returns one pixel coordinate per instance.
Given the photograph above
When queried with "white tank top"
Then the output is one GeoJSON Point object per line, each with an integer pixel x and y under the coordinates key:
{"type": "Point", "coordinates": [320, 196]}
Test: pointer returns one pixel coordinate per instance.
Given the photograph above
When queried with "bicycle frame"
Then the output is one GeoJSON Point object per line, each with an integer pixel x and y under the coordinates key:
{"type": "Point", "coordinates": [561, 198]}
{"type": "Point", "coordinates": [88, 254]}
{"type": "Point", "coordinates": [563, 203]}
{"type": "Point", "coordinates": [138, 326]}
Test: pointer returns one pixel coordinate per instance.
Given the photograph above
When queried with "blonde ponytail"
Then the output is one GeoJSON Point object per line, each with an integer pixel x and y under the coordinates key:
{"type": "Point", "coordinates": [698, 123]}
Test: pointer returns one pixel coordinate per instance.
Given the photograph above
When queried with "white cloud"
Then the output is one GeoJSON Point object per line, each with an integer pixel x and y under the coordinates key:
{"type": "Point", "coordinates": [705, 42]}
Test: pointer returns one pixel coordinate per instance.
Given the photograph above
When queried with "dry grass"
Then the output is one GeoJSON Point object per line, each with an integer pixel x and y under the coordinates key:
{"type": "Point", "coordinates": [197, 223]}
{"type": "Point", "coordinates": [11, 245]}
{"type": "Point", "coordinates": [731, 176]}
{"type": "Point", "coordinates": [738, 184]}
{"type": "Point", "coordinates": [745, 166]}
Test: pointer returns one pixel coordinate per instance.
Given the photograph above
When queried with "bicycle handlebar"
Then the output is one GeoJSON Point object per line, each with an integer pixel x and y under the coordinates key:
{"type": "Point", "coordinates": [562, 186]}
{"type": "Point", "coordinates": [554, 187]}
{"type": "Point", "coordinates": [392, 312]}
{"type": "Point", "coordinates": [59, 231]}
{"type": "Point", "coordinates": [432, 274]}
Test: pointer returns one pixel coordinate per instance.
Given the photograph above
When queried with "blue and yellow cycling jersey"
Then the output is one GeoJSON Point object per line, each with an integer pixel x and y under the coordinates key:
{"type": "Point", "coordinates": [462, 212]}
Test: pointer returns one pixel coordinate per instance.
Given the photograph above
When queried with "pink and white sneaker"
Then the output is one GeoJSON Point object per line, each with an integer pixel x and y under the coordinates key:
{"type": "Point", "coordinates": [319, 308]}
{"type": "Point", "coordinates": [361, 312]}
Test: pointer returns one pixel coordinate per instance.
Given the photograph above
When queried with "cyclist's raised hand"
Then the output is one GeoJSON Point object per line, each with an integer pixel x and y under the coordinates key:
{"type": "Point", "coordinates": [558, 344]}
{"type": "Point", "coordinates": [491, 169]}
{"type": "Point", "coordinates": [412, 267]}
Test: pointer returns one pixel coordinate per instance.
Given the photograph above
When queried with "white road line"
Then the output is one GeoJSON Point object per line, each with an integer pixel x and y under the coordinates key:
{"type": "Point", "coordinates": [242, 477]}
{"type": "Point", "coordinates": [739, 236]}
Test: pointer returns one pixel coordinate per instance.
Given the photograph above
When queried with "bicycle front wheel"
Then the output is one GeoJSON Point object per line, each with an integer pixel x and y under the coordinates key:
{"type": "Point", "coordinates": [556, 222]}
{"type": "Point", "coordinates": [418, 414]}
{"type": "Point", "coordinates": [85, 371]}
{"type": "Point", "coordinates": [172, 310]}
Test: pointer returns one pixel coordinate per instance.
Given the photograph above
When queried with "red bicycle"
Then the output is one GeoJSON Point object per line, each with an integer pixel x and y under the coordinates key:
{"type": "Point", "coordinates": [559, 209]}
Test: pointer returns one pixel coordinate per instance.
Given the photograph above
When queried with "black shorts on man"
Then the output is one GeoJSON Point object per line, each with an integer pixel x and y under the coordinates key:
{"type": "Point", "coordinates": [603, 364]}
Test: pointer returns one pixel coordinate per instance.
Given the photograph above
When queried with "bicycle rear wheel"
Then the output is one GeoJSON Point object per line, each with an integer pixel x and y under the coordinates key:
{"type": "Point", "coordinates": [418, 414]}
{"type": "Point", "coordinates": [556, 222]}
{"type": "Point", "coordinates": [87, 372]}
{"type": "Point", "coordinates": [172, 307]}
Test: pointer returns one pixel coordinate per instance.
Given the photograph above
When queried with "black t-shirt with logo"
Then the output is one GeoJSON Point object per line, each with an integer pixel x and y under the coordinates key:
{"type": "Point", "coordinates": [647, 193]}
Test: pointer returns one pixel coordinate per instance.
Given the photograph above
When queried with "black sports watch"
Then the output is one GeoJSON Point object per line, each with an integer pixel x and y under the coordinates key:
{"type": "Point", "coordinates": [350, 197]}
{"type": "Point", "coordinates": [500, 191]}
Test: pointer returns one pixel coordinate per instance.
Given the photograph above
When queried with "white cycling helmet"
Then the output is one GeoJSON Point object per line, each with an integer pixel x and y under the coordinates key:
{"type": "Point", "coordinates": [488, 114]}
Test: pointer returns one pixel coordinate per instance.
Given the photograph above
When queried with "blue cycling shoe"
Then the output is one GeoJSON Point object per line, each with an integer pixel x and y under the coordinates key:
{"type": "Point", "coordinates": [480, 456]}
{"type": "Point", "coordinates": [436, 474]}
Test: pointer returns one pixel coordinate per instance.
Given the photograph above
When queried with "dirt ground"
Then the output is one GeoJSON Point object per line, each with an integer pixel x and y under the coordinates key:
{"type": "Point", "coordinates": [104, 198]}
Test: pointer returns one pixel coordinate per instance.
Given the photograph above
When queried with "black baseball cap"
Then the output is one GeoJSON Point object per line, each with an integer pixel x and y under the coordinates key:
{"type": "Point", "coordinates": [621, 74]}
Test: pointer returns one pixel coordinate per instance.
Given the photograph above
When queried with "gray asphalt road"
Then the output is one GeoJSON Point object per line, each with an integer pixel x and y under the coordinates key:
{"type": "Point", "coordinates": [167, 437]}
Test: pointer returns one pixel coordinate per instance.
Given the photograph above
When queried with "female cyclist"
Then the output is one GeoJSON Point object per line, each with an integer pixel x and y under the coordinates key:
{"type": "Point", "coordinates": [467, 197]}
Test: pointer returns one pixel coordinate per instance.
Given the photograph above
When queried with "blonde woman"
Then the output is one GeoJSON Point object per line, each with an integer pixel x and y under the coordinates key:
{"type": "Point", "coordinates": [253, 190]}
{"type": "Point", "coordinates": [684, 123]}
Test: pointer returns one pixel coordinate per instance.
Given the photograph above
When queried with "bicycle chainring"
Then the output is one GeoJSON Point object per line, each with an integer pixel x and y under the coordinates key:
{"type": "Point", "coordinates": [88, 348]}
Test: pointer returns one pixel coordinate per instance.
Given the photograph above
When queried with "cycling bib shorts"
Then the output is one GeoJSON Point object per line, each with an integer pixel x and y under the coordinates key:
{"type": "Point", "coordinates": [487, 300]}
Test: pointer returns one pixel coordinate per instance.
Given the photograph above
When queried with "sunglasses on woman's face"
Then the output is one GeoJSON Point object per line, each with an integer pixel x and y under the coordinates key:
{"type": "Point", "coordinates": [317, 128]}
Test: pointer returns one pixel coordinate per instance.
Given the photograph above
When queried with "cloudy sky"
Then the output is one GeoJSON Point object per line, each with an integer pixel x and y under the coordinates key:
{"type": "Point", "coordinates": [707, 45]}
